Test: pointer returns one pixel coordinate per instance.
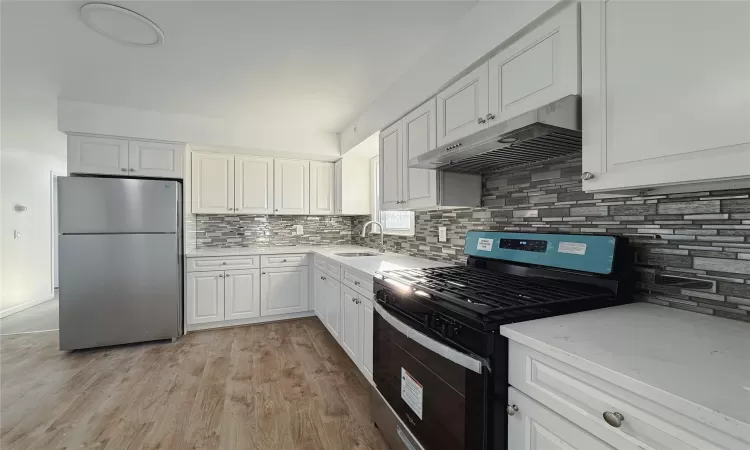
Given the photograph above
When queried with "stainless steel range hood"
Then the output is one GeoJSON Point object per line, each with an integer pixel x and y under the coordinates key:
{"type": "Point", "coordinates": [549, 132]}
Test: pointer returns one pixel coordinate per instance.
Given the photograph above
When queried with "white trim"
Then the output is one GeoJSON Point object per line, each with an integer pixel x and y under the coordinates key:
{"type": "Point", "coordinates": [53, 228]}
{"type": "Point", "coordinates": [18, 308]}
{"type": "Point", "coordinates": [254, 320]}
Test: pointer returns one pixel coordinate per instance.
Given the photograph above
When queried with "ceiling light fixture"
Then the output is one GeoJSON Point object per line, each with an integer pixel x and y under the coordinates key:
{"type": "Point", "coordinates": [121, 24]}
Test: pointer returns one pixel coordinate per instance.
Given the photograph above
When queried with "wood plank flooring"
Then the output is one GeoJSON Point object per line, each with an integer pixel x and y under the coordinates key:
{"type": "Point", "coordinates": [285, 385]}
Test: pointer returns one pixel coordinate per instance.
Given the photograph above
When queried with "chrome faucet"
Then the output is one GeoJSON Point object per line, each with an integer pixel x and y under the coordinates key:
{"type": "Point", "coordinates": [364, 233]}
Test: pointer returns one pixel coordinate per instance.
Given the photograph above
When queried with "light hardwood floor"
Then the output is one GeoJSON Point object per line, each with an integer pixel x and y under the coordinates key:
{"type": "Point", "coordinates": [284, 385]}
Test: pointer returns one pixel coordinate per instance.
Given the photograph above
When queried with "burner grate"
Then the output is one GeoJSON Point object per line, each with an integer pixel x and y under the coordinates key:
{"type": "Point", "coordinates": [488, 292]}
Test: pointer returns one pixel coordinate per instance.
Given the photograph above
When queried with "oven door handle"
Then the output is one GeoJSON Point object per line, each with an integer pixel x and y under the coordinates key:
{"type": "Point", "coordinates": [462, 359]}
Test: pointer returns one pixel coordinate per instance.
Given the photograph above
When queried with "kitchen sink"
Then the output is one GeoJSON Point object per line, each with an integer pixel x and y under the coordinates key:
{"type": "Point", "coordinates": [357, 254]}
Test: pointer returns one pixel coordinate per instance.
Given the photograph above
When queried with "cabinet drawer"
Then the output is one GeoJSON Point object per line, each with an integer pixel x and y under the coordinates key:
{"type": "Point", "coordinates": [583, 399]}
{"type": "Point", "coordinates": [333, 269]}
{"type": "Point", "coordinates": [284, 260]}
{"type": "Point", "coordinates": [355, 281]}
{"type": "Point", "coordinates": [219, 263]}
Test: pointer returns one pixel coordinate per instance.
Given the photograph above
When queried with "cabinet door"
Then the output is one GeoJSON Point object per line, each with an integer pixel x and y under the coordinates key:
{"type": "Point", "coordinates": [321, 188]}
{"type": "Point", "coordinates": [338, 199]}
{"type": "Point", "coordinates": [97, 155]}
{"type": "Point", "coordinates": [666, 97]}
{"type": "Point", "coordinates": [350, 324]}
{"type": "Point", "coordinates": [205, 297]}
{"type": "Point", "coordinates": [391, 167]}
{"type": "Point", "coordinates": [539, 68]}
{"type": "Point", "coordinates": [320, 294]}
{"type": "Point", "coordinates": [419, 186]}
{"type": "Point", "coordinates": [462, 107]}
{"type": "Point", "coordinates": [283, 290]}
{"type": "Point", "coordinates": [292, 186]}
{"type": "Point", "coordinates": [241, 294]}
{"type": "Point", "coordinates": [156, 159]}
{"type": "Point", "coordinates": [212, 183]}
{"type": "Point", "coordinates": [366, 337]}
{"type": "Point", "coordinates": [534, 427]}
{"type": "Point", "coordinates": [253, 185]}
{"type": "Point", "coordinates": [333, 308]}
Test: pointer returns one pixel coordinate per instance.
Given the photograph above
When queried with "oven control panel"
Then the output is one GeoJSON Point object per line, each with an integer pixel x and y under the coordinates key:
{"type": "Point", "coordinates": [526, 245]}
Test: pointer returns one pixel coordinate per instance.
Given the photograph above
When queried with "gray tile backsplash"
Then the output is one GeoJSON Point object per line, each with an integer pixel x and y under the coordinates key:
{"type": "Point", "coordinates": [244, 231]}
{"type": "Point", "coordinates": [704, 235]}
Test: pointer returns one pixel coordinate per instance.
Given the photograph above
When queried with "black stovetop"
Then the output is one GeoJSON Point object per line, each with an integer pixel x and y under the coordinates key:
{"type": "Point", "coordinates": [492, 294]}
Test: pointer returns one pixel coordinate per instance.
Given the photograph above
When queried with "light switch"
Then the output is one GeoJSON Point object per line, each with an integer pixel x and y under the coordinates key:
{"type": "Point", "coordinates": [442, 234]}
{"type": "Point", "coordinates": [299, 229]}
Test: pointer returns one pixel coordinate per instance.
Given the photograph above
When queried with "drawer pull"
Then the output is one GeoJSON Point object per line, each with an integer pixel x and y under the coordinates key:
{"type": "Point", "coordinates": [613, 418]}
{"type": "Point", "coordinates": [511, 410]}
{"type": "Point", "coordinates": [224, 263]}
{"type": "Point", "coordinates": [283, 260]}
{"type": "Point", "coordinates": [356, 283]}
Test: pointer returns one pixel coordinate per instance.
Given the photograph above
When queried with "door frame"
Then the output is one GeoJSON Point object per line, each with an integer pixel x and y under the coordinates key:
{"type": "Point", "coordinates": [54, 254]}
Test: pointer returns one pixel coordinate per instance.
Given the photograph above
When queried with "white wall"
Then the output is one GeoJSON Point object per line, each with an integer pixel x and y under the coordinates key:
{"type": "Point", "coordinates": [26, 263]}
{"type": "Point", "coordinates": [483, 29]}
{"type": "Point", "coordinates": [203, 131]}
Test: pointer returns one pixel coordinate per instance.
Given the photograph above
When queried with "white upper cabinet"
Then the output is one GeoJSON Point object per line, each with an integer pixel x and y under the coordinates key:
{"type": "Point", "coordinates": [419, 186]}
{"type": "Point", "coordinates": [666, 93]}
{"type": "Point", "coordinates": [321, 188]}
{"type": "Point", "coordinates": [463, 106]}
{"type": "Point", "coordinates": [253, 185]}
{"type": "Point", "coordinates": [241, 294]}
{"type": "Point", "coordinates": [540, 67]}
{"type": "Point", "coordinates": [391, 167]}
{"type": "Point", "coordinates": [97, 155]}
{"type": "Point", "coordinates": [212, 183]}
{"type": "Point", "coordinates": [156, 159]}
{"type": "Point", "coordinates": [292, 187]}
{"type": "Point", "coordinates": [352, 186]}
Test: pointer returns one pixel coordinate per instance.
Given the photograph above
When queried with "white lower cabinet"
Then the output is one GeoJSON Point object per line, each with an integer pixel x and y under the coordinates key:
{"type": "Point", "coordinates": [320, 291]}
{"type": "Point", "coordinates": [350, 326]}
{"type": "Point", "coordinates": [534, 427]}
{"type": "Point", "coordinates": [205, 297]}
{"type": "Point", "coordinates": [283, 290]}
{"type": "Point", "coordinates": [366, 323]}
{"type": "Point", "coordinates": [333, 307]}
{"type": "Point", "coordinates": [241, 294]}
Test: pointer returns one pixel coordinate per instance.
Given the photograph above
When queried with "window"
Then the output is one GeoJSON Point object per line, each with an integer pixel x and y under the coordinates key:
{"type": "Point", "coordinates": [394, 222]}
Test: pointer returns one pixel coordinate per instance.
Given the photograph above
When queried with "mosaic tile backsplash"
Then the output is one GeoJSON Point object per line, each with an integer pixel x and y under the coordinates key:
{"type": "Point", "coordinates": [704, 235]}
{"type": "Point", "coordinates": [251, 230]}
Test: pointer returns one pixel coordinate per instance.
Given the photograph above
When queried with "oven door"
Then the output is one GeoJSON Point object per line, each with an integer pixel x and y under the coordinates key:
{"type": "Point", "coordinates": [439, 392]}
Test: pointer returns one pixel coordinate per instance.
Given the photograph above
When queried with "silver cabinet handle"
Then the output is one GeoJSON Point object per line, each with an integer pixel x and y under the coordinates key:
{"type": "Point", "coordinates": [224, 263]}
{"type": "Point", "coordinates": [132, 170]}
{"type": "Point", "coordinates": [124, 169]}
{"type": "Point", "coordinates": [490, 116]}
{"type": "Point", "coordinates": [511, 410]}
{"type": "Point", "coordinates": [221, 275]}
{"type": "Point", "coordinates": [480, 120]}
{"type": "Point", "coordinates": [356, 283]}
{"type": "Point", "coordinates": [283, 260]}
{"type": "Point", "coordinates": [587, 176]}
{"type": "Point", "coordinates": [227, 275]}
{"type": "Point", "coordinates": [263, 273]}
{"type": "Point", "coordinates": [614, 419]}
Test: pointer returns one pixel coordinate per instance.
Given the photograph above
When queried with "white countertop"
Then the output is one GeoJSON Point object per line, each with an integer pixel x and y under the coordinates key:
{"type": "Point", "coordinates": [660, 353]}
{"type": "Point", "coordinates": [368, 265]}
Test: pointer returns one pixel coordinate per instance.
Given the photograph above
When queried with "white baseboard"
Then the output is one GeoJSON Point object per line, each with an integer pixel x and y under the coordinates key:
{"type": "Point", "coordinates": [254, 320]}
{"type": "Point", "coordinates": [26, 305]}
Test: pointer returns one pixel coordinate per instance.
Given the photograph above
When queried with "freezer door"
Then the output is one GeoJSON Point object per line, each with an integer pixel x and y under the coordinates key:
{"type": "Point", "coordinates": [118, 289]}
{"type": "Point", "coordinates": [117, 205]}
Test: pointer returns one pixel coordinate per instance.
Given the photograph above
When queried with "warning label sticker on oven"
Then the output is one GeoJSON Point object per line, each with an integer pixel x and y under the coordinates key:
{"type": "Point", "coordinates": [574, 248]}
{"type": "Point", "coordinates": [484, 244]}
{"type": "Point", "coordinates": [411, 392]}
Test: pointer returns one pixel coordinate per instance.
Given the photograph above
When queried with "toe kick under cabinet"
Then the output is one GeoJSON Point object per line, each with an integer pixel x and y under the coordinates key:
{"type": "Point", "coordinates": [239, 290]}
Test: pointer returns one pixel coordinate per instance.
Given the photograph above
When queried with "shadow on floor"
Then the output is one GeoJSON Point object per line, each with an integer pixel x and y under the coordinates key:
{"type": "Point", "coordinates": [41, 317]}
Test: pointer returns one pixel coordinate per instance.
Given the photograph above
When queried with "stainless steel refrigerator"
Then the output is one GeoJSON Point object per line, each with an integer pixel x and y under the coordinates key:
{"type": "Point", "coordinates": [120, 258]}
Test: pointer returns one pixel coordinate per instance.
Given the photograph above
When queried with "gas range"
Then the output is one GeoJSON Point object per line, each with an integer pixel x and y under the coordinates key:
{"type": "Point", "coordinates": [456, 312]}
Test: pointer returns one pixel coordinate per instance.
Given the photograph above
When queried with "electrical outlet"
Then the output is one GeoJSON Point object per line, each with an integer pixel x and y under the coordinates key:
{"type": "Point", "coordinates": [442, 234]}
{"type": "Point", "coordinates": [16, 234]}
{"type": "Point", "coordinates": [299, 229]}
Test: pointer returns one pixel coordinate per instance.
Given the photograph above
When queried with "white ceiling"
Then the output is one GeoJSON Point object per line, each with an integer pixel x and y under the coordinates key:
{"type": "Point", "coordinates": [314, 65]}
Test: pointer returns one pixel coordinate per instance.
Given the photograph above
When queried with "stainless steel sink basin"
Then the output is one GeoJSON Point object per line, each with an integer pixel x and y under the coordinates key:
{"type": "Point", "coordinates": [356, 254]}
